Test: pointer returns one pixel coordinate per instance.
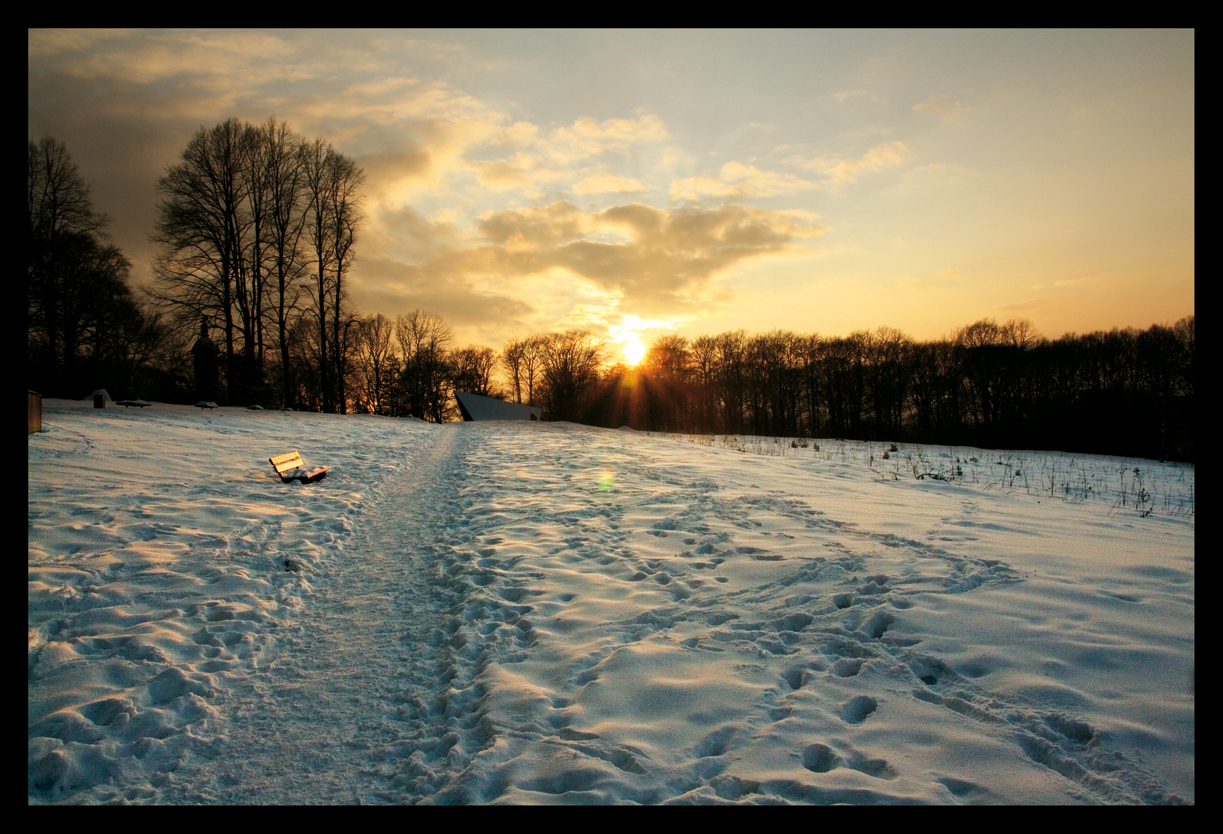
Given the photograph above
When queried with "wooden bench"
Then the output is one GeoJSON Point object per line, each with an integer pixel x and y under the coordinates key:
{"type": "Point", "coordinates": [291, 468]}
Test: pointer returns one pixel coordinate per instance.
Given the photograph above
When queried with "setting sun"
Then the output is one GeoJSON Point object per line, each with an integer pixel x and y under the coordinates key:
{"type": "Point", "coordinates": [634, 350]}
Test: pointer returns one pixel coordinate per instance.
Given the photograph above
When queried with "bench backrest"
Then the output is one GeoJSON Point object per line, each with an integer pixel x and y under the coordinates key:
{"type": "Point", "coordinates": [284, 463]}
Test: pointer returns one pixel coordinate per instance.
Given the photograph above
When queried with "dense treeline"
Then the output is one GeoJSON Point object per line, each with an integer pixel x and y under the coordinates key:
{"type": "Point", "coordinates": [257, 232]}
{"type": "Point", "coordinates": [83, 324]}
{"type": "Point", "coordinates": [993, 385]}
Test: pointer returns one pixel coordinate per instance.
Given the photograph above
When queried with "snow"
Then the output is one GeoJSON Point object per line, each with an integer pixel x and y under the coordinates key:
{"type": "Point", "coordinates": [542, 613]}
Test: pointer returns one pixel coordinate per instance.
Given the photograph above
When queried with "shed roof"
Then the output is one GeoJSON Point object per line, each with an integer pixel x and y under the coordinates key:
{"type": "Point", "coordinates": [476, 407]}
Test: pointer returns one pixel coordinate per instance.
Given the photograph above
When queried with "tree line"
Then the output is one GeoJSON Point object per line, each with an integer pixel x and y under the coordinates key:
{"type": "Point", "coordinates": [994, 385]}
{"type": "Point", "coordinates": [256, 234]}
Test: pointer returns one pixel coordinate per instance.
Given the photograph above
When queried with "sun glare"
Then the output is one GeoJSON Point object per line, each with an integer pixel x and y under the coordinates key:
{"type": "Point", "coordinates": [634, 350]}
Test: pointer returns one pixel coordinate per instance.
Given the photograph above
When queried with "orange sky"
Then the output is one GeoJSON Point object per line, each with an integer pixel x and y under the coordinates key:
{"type": "Point", "coordinates": [639, 182]}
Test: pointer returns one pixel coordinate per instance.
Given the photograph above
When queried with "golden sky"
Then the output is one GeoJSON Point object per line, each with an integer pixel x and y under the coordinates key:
{"type": "Point", "coordinates": [636, 182]}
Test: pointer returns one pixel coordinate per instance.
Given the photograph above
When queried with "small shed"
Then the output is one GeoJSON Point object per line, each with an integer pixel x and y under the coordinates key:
{"type": "Point", "coordinates": [474, 407]}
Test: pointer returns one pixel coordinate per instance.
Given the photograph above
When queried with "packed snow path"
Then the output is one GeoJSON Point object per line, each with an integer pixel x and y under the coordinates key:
{"type": "Point", "coordinates": [331, 718]}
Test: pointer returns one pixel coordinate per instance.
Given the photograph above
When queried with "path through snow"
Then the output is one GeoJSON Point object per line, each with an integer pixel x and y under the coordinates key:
{"type": "Point", "coordinates": [331, 714]}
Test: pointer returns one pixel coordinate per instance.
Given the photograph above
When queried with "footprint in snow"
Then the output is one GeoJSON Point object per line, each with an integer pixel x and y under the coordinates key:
{"type": "Point", "coordinates": [856, 710]}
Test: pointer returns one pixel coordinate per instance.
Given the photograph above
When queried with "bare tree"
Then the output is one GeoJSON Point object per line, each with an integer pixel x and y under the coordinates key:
{"type": "Point", "coordinates": [423, 340]}
{"type": "Point", "coordinates": [472, 370]}
{"type": "Point", "coordinates": [65, 259]}
{"type": "Point", "coordinates": [203, 228]}
{"type": "Point", "coordinates": [512, 361]}
{"type": "Point", "coordinates": [704, 361]}
{"type": "Point", "coordinates": [332, 182]}
{"type": "Point", "coordinates": [374, 365]}
{"type": "Point", "coordinates": [571, 362]}
{"type": "Point", "coordinates": [666, 369]}
{"type": "Point", "coordinates": [243, 216]}
{"type": "Point", "coordinates": [730, 364]}
{"type": "Point", "coordinates": [887, 350]}
{"type": "Point", "coordinates": [521, 359]}
{"type": "Point", "coordinates": [286, 222]}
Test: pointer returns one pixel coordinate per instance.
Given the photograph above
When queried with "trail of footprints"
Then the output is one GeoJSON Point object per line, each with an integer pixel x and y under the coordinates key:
{"type": "Point", "coordinates": [492, 606]}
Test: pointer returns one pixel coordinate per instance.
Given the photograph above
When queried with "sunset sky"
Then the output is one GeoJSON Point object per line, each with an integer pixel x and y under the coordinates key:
{"type": "Point", "coordinates": [649, 181]}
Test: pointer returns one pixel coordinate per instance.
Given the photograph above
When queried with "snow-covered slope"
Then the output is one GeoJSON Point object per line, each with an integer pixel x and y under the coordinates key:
{"type": "Point", "coordinates": [549, 613]}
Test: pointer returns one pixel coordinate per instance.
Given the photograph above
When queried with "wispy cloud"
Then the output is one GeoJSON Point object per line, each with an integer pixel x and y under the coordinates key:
{"type": "Point", "coordinates": [587, 138]}
{"type": "Point", "coordinates": [739, 181]}
{"type": "Point", "coordinates": [932, 175]}
{"type": "Point", "coordinates": [839, 171]}
{"type": "Point", "coordinates": [552, 159]}
{"type": "Point", "coordinates": [855, 95]}
{"type": "Point", "coordinates": [607, 184]}
{"type": "Point", "coordinates": [947, 109]}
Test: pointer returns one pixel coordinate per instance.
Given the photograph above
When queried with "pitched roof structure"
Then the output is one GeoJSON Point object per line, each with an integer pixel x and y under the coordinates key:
{"type": "Point", "coordinates": [475, 407]}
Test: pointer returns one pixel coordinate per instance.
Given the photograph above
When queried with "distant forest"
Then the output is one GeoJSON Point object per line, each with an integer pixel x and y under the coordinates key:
{"type": "Point", "coordinates": [258, 228]}
{"type": "Point", "coordinates": [1124, 392]}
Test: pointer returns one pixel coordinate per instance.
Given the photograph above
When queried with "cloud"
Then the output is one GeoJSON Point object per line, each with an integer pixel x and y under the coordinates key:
{"type": "Point", "coordinates": [192, 61]}
{"type": "Point", "coordinates": [849, 95]}
{"type": "Point", "coordinates": [393, 288]}
{"type": "Point", "coordinates": [542, 226]}
{"type": "Point", "coordinates": [534, 266]}
{"type": "Point", "coordinates": [587, 138]}
{"type": "Point", "coordinates": [500, 175]}
{"type": "Point", "coordinates": [518, 134]}
{"type": "Point", "coordinates": [936, 174]}
{"type": "Point", "coordinates": [840, 171]}
{"type": "Point", "coordinates": [548, 159]}
{"type": "Point", "coordinates": [46, 43]}
{"type": "Point", "coordinates": [944, 107]}
{"type": "Point", "coordinates": [607, 184]}
{"type": "Point", "coordinates": [667, 259]}
{"type": "Point", "coordinates": [739, 181]}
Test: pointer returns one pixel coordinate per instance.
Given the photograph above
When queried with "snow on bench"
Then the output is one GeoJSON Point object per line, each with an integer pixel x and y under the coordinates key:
{"type": "Point", "coordinates": [291, 468]}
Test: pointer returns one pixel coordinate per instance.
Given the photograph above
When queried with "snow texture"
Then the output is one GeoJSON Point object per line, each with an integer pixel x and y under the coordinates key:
{"type": "Point", "coordinates": [545, 613]}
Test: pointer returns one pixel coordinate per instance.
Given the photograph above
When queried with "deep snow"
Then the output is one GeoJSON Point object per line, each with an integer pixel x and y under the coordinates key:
{"type": "Point", "coordinates": [550, 613]}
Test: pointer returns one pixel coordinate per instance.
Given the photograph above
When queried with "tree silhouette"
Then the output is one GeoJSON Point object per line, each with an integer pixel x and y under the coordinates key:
{"type": "Point", "coordinates": [472, 369]}
{"type": "Point", "coordinates": [245, 216]}
{"type": "Point", "coordinates": [82, 321]}
{"type": "Point", "coordinates": [423, 340]}
{"type": "Point", "coordinates": [571, 363]}
{"type": "Point", "coordinates": [331, 182]}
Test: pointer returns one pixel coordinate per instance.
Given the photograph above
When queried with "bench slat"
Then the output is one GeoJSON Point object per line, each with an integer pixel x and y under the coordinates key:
{"type": "Point", "coordinates": [290, 467]}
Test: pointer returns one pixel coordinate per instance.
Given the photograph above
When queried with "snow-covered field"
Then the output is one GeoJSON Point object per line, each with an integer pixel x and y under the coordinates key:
{"type": "Point", "coordinates": [549, 613]}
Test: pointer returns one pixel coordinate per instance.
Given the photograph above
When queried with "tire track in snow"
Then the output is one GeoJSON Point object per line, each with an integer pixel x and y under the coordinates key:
{"type": "Point", "coordinates": [376, 700]}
